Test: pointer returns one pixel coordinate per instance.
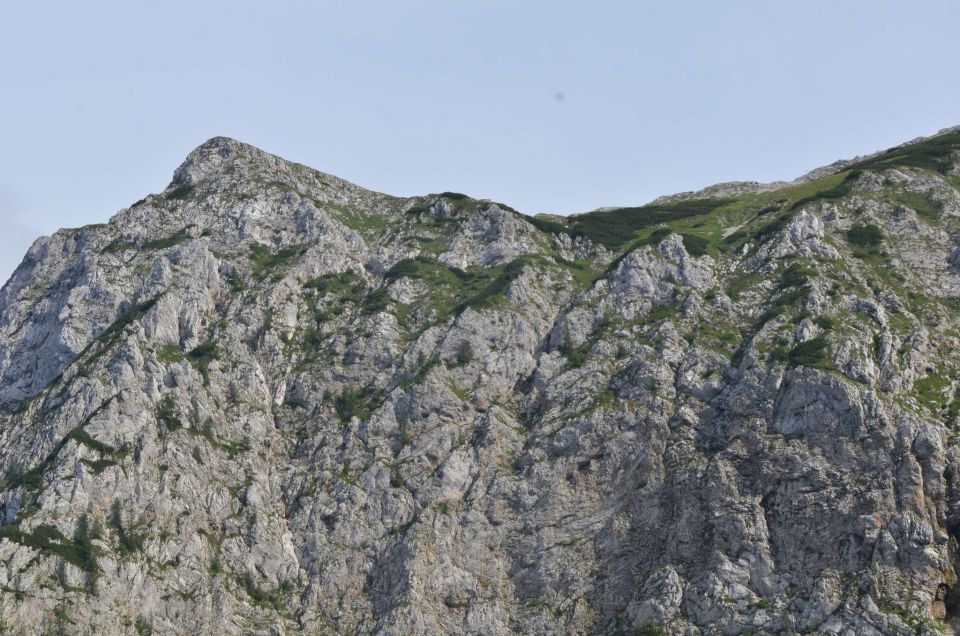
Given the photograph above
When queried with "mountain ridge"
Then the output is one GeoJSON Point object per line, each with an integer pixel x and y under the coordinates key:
{"type": "Point", "coordinates": [227, 144]}
{"type": "Point", "coordinates": [266, 400]}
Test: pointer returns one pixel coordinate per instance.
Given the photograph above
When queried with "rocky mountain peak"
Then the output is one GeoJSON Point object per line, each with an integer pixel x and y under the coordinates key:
{"type": "Point", "coordinates": [215, 157]}
{"type": "Point", "coordinates": [268, 401]}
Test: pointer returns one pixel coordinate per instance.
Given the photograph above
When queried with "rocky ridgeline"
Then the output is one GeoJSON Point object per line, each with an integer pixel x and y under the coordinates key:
{"type": "Point", "coordinates": [267, 401]}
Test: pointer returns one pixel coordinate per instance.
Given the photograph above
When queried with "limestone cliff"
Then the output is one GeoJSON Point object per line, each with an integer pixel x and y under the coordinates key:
{"type": "Point", "coordinates": [267, 401]}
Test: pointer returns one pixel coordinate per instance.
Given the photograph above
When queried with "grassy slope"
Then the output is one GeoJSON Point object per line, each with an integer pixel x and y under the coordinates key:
{"type": "Point", "coordinates": [626, 228]}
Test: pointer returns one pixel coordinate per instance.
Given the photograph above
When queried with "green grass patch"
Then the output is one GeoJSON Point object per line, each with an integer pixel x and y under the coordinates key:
{"type": "Point", "coordinates": [768, 315]}
{"type": "Point", "coordinates": [932, 392]}
{"type": "Point", "coordinates": [232, 449]}
{"type": "Point", "coordinates": [662, 312]}
{"type": "Point", "coordinates": [131, 538]}
{"type": "Point", "coordinates": [548, 224]}
{"type": "Point", "coordinates": [867, 241]}
{"type": "Point", "coordinates": [582, 271]}
{"type": "Point", "coordinates": [465, 353]}
{"type": "Point", "coordinates": [99, 465]}
{"type": "Point", "coordinates": [825, 322]}
{"type": "Point", "coordinates": [183, 192]}
{"type": "Point", "coordinates": [33, 478]}
{"type": "Point", "coordinates": [376, 301]}
{"type": "Point", "coordinates": [176, 238]}
{"type": "Point", "coordinates": [127, 318]}
{"type": "Point", "coordinates": [772, 228]}
{"type": "Point", "coordinates": [347, 282]}
{"type": "Point", "coordinates": [796, 275]}
{"type": "Point", "coordinates": [78, 551]}
{"type": "Point", "coordinates": [740, 284]}
{"type": "Point", "coordinates": [650, 630]}
{"type": "Point", "coordinates": [830, 193]}
{"type": "Point", "coordinates": [869, 236]}
{"type": "Point", "coordinates": [576, 356]}
{"type": "Point", "coordinates": [363, 223]}
{"type": "Point", "coordinates": [267, 263]}
{"type": "Point", "coordinates": [451, 290]}
{"type": "Point", "coordinates": [169, 241]}
{"type": "Point", "coordinates": [614, 229]}
{"type": "Point", "coordinates": [360, 404]}
{"type": "Point", "coordinates": [313, 339]}
{"type": "Point", "coordinates": [695, 245]}
{"type": "Point", "coordinates": [932, 154]}
{"type": "Point", "coordinates": [201, 356]}
{"type": "Point", "coordinates": [921, 203]}
{"type": "Point", "coordinates": [812, 353]}
{"type": "Point", "coordinates": [275, 599]}
{"type": "Point", "coordinates": [235, 282]}
{"type": "Point", "coordinates": [169, 354]}
{"type": "Point", "coordinates": [166, 415]}
{"type": "Point", "coordinates": [790, 297]}
{"type": "Point", "coordinates": [424, 367]}
{"type": "Point", "coordinates": [83, 437]}
{"type": "Point", "coordinates": [497, 285]}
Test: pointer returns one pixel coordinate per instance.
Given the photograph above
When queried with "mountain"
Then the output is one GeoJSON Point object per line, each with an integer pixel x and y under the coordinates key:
{"type": "Point", "coordinates": [268, 401]}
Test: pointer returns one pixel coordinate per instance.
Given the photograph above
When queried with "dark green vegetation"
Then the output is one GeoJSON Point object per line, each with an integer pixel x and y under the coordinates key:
{"type": "Point", "coordinates": [761, 215]}
{"type": "Point", "coordinates": [33, 479]}
{"type": "Point", "coordinates": [866, 240]}
{"type": "Point", "coordinates": [614, 228]}
{"type": "Point", "coordinates": [167, 415]}
{"type": "Point", "coordinates": [796, 275]}
{"type": "Point", "coordinates": [206, 432]}
{"type": "Point", "coordinates": [344, 282]}
{"type": "Point", "coordinates": [866, 236]}
{"type": "Point", "coordinates": [933, 154]}
{"type": "Point", "coordinates": [707, 226]}
{"type": "Point", "coordinates": [837, 191]}
{"type": "Point", "coordinates": [695, 245]}
{"type": "Point", "coordinates": [275, 599]}
{"type": "Point", "coordinates": [266, 262]}
{"type": "Point", "coordinates": [127, 318]}
{"type": "Point", "coordinates": [465, 353]}
{"type": "Point", "coordinates": [130, 537]}
{"type": "Point", "coordinates": [921, 203]}
{"type": "Point", "coordinates": [452, 289]}
{"type": "Point", "coordinates": [771, 228]}
{"type": "Point", "coordinates": [181, 192]}
{"type": "Point", "coordinates": [78, 551]}
{"type": "Point", "coordinates": [201, 357]}
{"type": "Point", "coordinates": [170, 241]}
{"type": "Point", "coordinates": [331, 292]}
{"type": "Point", "coordinates": [812, 353]}
{"type": "Point", "coordinates": [783, 306]}
{"type": "Point", "coordinates": [352, 403]}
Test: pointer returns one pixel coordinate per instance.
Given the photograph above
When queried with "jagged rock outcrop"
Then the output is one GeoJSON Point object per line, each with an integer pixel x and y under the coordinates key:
{"type": "Point", "coordinates": [267, 401]}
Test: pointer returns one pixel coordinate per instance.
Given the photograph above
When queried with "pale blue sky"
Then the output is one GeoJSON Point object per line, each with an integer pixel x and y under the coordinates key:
{"type": "Point", "coordinates": [100, 101]}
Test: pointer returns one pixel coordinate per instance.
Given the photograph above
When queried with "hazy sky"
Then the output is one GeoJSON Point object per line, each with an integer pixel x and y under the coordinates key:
{"type": "Point", "coordinates": [549, 106]}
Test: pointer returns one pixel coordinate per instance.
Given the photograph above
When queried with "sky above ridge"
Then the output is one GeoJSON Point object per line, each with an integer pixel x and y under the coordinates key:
{"type": "Point", "coordinates": [552, 106]}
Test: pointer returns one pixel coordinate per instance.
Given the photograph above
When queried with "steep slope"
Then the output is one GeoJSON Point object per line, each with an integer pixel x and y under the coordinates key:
{"type": "Point", "coordinates": [267, 401]}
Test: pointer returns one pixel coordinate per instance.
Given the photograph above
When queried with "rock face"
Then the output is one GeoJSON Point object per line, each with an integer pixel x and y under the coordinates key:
{"type": "Point", "coordinates": [267, 401]}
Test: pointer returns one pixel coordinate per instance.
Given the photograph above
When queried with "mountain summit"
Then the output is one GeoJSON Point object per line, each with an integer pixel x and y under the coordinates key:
{"type": "Point", "coordinates": [268, 401]}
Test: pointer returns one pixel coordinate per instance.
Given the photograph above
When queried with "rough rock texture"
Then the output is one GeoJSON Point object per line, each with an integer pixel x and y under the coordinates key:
{"type": "Point", "coordinates": [267, 401]}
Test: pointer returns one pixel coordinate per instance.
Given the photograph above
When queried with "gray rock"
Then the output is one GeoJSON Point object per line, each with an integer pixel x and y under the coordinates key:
{"type": "Point", "coordinates": [268, 401]}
